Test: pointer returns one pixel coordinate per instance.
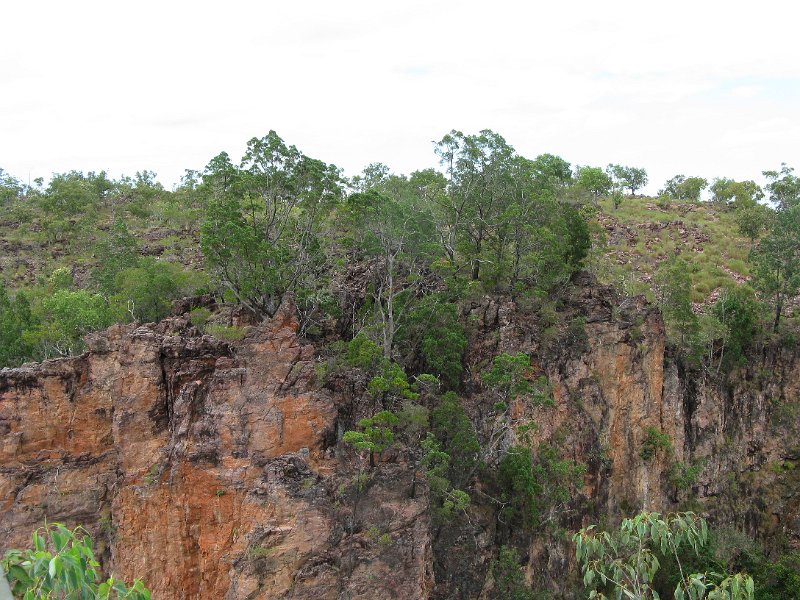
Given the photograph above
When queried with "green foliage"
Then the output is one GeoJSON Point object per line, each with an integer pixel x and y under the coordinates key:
{"type": "Point", "coordinates": [535, 491]}
{"type": "Point", "coordinates": [509, 580]}
{"type": "Point", "coordinates": [593, 180]}
{"type": "Point", "coordinates": [739, 313]}
{"type": "Point", "coordinates": [724, 191]}
{"type": "Point", "coordinates": [454, 432]}
{"type": "Point", "coordinates": [519, 487]}
{"type": "Point", "coordinates": [412, 422]}
{"type": "Point", "coordinates": [65, 317]}
{"type": "Point", "coordinates": [68, 194]}
{"type": "Point", "coordinates": [579, 239]}
{"type": "Point", "coordinates": [225, 332]}
{"type": "Point", "coordinates": [115, 253]}
{"type": "Point", "coordinates": [509, 376]}
{"type": "Point", "coordinates": [434, 328]}
{"type": "Point", "coordinates": [752, 219]}
{"type": "Point", "coordinates": [632, 178]}
{"type": "Point", "coordinates": [783, 187]}
{"type": "Point", "coordinates": [625, 562]}
{"type": "Point", "coordinates": [363, 353]}
{"type": "Point", "coordinates": [654, 442]}
{"type": "Point", "coordinates": [252, 267]}
{"type": "Point", "coordinates": [391, 383]}
{"type": "Point", "coordinates": [62, 565]}
{"type": "Point", "coordinates": [261, 233]}
{"type": "Point", "coordinates": [15, 319]}
{"type": "Point", "coordinates": [480, 181]}
{"type": "Point", "coordinates": [10, 188]}
{"type": "Point", "coordinates": [683, 476]}
{"type": "Point", "coordinates": [616, 198]}
{"type": "Point", "coordinates": [377, 433]}
{"type": "Point", "coordinates": [61, 279]}
{"type": "Point", "coordinates": [149, 288]}
{"type": "Point", "coordinates": [448, 501]}
{"type": "Point", "coordinates": [776, 261]}
{"type": "Point", "coordinates": [779, 579]}
{"type": "Point", "coordinates": [684, 188]}
{"type": "Point", "coordinates": [390, 225]}
{"type": "Point", "coordinates": [199, 317]}
{"type": "Point", "coordinates": [674, 291]}
{"type": "Point", "coordinates": [775, 578]}
{"type": "Point", "coordinates": [499, 215]}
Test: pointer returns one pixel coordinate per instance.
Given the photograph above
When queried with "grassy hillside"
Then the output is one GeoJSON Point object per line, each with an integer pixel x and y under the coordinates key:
{"type": "Point", "coordinates": [165, 225]}
{"type": "Point", "coordinates": [638, 236]}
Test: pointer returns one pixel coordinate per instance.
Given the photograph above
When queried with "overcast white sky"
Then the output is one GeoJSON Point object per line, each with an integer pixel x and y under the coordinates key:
{"type": "Point", "coordinates": [699, 88]}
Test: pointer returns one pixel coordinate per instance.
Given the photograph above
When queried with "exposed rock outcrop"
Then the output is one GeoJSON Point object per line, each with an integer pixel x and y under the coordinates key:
{"type": "Point", "coordinates": [211, 469]}
{"type": "Point", "coordinates": [204, 470]}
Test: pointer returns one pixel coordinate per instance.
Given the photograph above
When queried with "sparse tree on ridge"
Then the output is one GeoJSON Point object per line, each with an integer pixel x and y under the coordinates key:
{"type": "Point", "coordinates": [783, 187]}
{"type": "Point", "coordinates": [631, 178]}
{"type": "Point", "coordinates": [681, 187]}
{"type": "Point", "coordinates": [594, 180]}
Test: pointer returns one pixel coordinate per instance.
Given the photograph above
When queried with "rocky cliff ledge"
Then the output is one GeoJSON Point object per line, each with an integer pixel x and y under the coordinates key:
{"type": "Point", "coordinates": [211, 469]}
{"type": "Point", "coordinates": [202, 469]}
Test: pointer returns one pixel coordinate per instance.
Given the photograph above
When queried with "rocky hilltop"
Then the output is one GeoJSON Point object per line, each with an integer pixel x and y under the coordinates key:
{"type": "Point", "coordinates": [214, 469]}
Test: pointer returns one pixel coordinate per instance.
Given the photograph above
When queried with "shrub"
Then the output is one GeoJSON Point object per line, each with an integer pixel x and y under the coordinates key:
{"type": "Point", "coordinates": [150, 287]}
{"type": "Point", "coordinates": [654, 441]}
{"type": "Point", "coordinates": [224, 332]}
{"type": "Point", "coordinates": [509, 581]}
{"type": "Point", "coordinates": [199, 317]}
{"type": "Point", "coordinates": [454, 431]}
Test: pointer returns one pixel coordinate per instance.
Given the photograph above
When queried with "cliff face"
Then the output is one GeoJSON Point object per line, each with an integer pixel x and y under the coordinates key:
{"type": "Point", "coordinates": [613, 380]}
{"type": "Point", "coordinates": [211, 469]}
{"type": "Point", "coordinates": [203, 470]}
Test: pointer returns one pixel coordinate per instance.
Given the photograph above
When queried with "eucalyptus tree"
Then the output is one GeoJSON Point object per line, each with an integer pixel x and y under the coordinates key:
{"type": "Point", "coordinates": [783, 187]}
{"type": "Point", "coordinates": [776, 259]}
{"type": "Point", "coordinates": [392, 228]}
{"type": "Point", "coordinates": [594, 180]}
{"type": "Point", "coordinates": [743, 193]}
{"type": "Point", "coordinates": [624, 562]}
{"type": "Point", "coordinates": [479, 182]}
{"type": "Point", "coordinates": [631, 178]}
{"type": "Point", "coordinates": [261, 233]}
{"type": "Point", "coordinates": [10, 187]}
{"type": "Point", "coordinates": [681, 187]}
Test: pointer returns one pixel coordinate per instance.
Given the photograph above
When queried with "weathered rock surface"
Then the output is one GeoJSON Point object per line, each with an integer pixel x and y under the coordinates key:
{"type": "Point", "coordinates": [211, 469]}
{"type": "Point", "coordinates": [203, 469]}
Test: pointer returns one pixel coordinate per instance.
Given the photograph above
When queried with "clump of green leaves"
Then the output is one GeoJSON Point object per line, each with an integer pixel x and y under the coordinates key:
{"type": "Point", "coordinates": [535, 490]}
{"type": "Point", "coordinates": [683, 475]}
{"type": "Point", "coordinates": [376, 435]}
{"type": "Point", "coordinates": [625, 562]}
{"type": "Point", "coordinates": [509, 580]}
{"type": "Point", "coordinates": [453, 430]}
{"type": "Point", "coordinates": [15, 319]}
{"type": "Point", "coordinates": [225, 332]}
{"type": "Point", "coordinates": [199, 317]}
{"type": "Point", "coordinates": [655, 441]}
{"type": "Point", "coordinates": [447, 500]}
{"type": "Point", "coordinates": [389, 383]}
{"type": "Point", "coordinates": [434, 326]}
{"type": "Point", "coordinates": [62, 565]}
{"type": "Point", "coordinates": [363, 353]}
{"type": "Point", "coordinates": [509, 376]}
